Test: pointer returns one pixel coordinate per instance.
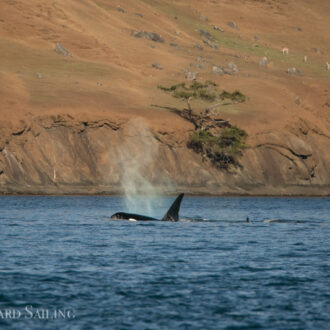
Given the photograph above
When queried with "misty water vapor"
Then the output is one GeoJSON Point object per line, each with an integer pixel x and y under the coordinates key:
{"type": "Point", "coordinates": [137, 155]}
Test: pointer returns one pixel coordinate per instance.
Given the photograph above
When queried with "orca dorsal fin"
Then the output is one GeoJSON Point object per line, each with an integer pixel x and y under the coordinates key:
{"type": "Point", "coordinates": [173, 212]}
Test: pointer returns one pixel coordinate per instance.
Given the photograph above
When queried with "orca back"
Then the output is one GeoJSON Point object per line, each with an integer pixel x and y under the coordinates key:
{"type": "Point", "coordinates": [131, 216]}
{"type": "Point", "coordinates": [173, 212]}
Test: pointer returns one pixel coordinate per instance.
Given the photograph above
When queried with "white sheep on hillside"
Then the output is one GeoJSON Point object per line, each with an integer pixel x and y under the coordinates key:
{"type": "Point", "coordinates": [285, 50]}
{"type": "Point", "coordinates": [327, 66]}
{"type": "Point", "coordinates": [305, 58]}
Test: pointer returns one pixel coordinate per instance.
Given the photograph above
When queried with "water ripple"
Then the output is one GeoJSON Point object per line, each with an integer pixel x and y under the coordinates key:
{"type": "Point", "coordinates": [211, 270]}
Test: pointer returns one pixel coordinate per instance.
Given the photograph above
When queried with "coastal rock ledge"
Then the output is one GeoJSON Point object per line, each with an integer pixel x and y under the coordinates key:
{"type": "Point", "coordinates": [63, 155]}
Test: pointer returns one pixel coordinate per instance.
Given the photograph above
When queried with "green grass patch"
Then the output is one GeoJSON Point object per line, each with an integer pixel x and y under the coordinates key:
{"type": "Point", "coordinates": [104, 5]}
{"type": "Point", "coordinates": [191, 23]}
{"type": "Point", "coordinates": [189, 20]}
{"type": "Point", "coordinates": [15, 56]}
{"type": "Point", "coordinates": [58, 73]}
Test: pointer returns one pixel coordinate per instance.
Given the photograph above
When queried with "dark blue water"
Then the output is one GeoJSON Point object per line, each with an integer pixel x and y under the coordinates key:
{"type": "Point", "coordinates": [62, 256]}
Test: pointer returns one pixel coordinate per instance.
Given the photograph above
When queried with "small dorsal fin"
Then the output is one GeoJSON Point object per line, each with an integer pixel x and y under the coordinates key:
{"type": "Point", "coordinates": [173, 212]}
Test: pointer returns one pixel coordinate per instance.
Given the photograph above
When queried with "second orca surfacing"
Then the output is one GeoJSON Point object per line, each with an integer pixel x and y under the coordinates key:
{"type": "Point", "coordinates": [171, 215]}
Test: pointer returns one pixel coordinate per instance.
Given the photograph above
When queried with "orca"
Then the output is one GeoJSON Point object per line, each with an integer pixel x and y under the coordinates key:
{"type": "Point", "coordinates": [171, 215]}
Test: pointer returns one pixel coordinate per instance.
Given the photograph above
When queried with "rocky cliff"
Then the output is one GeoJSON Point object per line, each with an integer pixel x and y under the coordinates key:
{"type": "Point", "coordinates": [60, 154]}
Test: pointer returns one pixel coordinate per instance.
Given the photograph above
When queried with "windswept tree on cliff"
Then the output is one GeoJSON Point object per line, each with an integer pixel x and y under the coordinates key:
{"type": "Point", "coordinates": [214, 138]}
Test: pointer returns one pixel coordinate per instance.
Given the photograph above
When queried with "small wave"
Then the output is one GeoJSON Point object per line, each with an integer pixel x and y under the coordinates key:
{"type": "Point", "coordinates": [288, 281]}
{"type": "Point", "coordinates": [4, 299]}
{"type": "Point", "coordinates": [188, 219]}
{"type": "Point", "coordinates": [225, 221]}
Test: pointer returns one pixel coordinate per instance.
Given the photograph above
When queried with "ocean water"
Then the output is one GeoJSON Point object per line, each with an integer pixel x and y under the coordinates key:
{"type": "Point", "coordinates": [65, 265]}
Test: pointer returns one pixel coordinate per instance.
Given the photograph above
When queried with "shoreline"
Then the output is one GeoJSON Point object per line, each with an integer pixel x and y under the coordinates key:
{"type": "Point", "coordinates": [210, 195]}
{"type": "Point", "coordinates": [288, 191]}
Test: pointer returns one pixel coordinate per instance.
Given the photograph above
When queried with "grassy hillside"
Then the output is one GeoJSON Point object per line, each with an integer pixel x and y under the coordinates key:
{"type": "Point", "coordinates": [121, 51]}
{"type": "Point", "coordinates": [110, 69]}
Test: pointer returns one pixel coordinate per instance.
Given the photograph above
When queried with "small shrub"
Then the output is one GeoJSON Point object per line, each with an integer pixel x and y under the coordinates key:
{"type": "Point", "coordinates": [165, 89]}
{"type": "Point", "coordinates": [225, 95]}
{"type": "Point", "coordinates": [232, 138]}
{"type": "Point", "coordinates": [238, 96]}
{"type": "Point", "coordinates": [222, 150]}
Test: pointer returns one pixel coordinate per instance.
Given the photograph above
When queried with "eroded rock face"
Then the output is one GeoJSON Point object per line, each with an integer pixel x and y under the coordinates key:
{"type": "Point", "coordinates": [60, 154]}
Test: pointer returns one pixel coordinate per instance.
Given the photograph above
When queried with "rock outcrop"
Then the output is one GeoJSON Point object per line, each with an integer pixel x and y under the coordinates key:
{"type": "Point", "coordinates": [60, 154]}
{"type": "Point", "coordinates": [148, 35]}
{"type": "Point", "coordinates": [61, 50]}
